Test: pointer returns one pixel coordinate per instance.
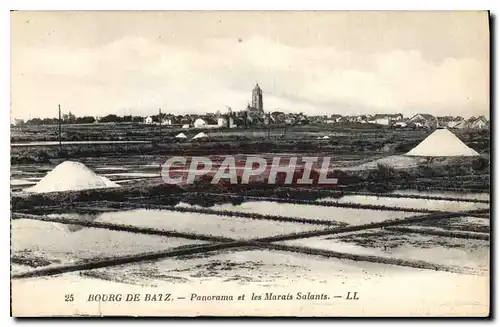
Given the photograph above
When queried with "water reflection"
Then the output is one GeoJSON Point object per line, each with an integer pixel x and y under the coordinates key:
{"type": "Point", "coordinates": [82, 217]}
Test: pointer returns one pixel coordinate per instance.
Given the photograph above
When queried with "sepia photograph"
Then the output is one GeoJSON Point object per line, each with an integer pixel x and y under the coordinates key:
{"type": "Point", "coordinates": [250, 163]}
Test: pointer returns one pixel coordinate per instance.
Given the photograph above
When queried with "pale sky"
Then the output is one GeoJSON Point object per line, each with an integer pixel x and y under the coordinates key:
{"type": "Point", "coordinates": [98, 63]}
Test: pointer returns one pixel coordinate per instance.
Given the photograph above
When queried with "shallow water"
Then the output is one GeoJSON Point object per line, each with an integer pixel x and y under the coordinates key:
{"type": "Point", "coordinates": [21, 182]}
{"type": "Point", "coordinates": [442, 205]}
{"type": "Point", "coordinates": [470, 224]}
{"type": "Point", "coordinates": [45, 143]}
{"type": "Point", "coordinates": [132, 174]}
{"type": "Point", "coordinates": [61, 243]}
{"type": "Point", "coordinates": [459, 195]}
{"type": "Point", "coordinates": [231, 227]}
{"type": "Point", "coordinates": [110, 168]}
{"type": "Point", "coordinates": [247, 266]}
{"type": "Point", "coordinates": [409, 246]}
{"type": "Point", "coordinates": [347, 215]}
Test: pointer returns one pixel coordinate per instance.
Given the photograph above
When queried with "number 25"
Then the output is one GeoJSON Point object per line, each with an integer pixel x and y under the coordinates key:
{"type": "Point", "coordinates": [69, 298]}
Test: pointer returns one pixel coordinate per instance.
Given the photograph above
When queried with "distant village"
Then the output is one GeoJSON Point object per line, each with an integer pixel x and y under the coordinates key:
{"type": "Point", "coordinates": [254, 116]}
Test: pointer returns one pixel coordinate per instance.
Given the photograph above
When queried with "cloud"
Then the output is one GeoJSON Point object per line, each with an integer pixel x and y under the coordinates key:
{"type": "Point", "coordinates": [139, 75]}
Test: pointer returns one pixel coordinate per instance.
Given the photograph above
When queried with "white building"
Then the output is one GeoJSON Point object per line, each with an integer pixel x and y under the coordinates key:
{"type": "Point", "coordinates": [198, 123]}
{"type": "Point", "coordinates": [222, 121]}
{"type": "Point", "coordinates": [478, 123]}
{"type": "Point", "coordinates": [426, 120]}
{"type": "Point", "coordinates": [455, 123]}
{"type": "Point", "coordinates": [148, 120]}
{"type": "Point", "coordinates": [382, 121]}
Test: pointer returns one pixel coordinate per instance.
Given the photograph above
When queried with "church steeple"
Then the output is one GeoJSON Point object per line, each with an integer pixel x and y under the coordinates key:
{"type": "Point", "coordinates": [257, 101]}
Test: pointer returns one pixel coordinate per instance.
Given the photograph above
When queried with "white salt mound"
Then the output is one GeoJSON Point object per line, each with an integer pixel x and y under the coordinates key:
{"type": "Point", "coordinates": [181, 136]}
{"type": "Point", "coordinates": [71, 176]}
{"type": "Point", "coordinates": [200, 135]}
{"type": "Point", "coordinates": [442, 143]}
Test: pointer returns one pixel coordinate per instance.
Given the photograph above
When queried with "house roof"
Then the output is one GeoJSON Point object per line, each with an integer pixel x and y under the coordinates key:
{"type": "Point", "coordinates": [378, 116]}
{"type": "Point", "coordinates": [207, 120]}
{"type": "Point", "coordinates": [446, 119]}
{"type": "Point", "coordinates": [477, 119]}
{"type": "Point", "coordinates": [386, 115]}
{"type": "Point", "coordinates": [425, 116]}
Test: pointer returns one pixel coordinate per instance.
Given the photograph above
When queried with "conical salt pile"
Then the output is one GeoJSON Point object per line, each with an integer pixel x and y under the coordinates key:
{"type": "Point", "coordinates": [71, 176]}
{"type": "Point", "coordinates": [181, 136]}
{"type": "Point", "coordinates": [442, 143]}
{"type": "Point", "coordinates": [200, 135]}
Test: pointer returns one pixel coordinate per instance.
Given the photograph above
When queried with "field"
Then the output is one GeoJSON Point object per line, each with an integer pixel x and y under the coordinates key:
{"type": "Point", "coordinates": [365, 140]}
{"type": "Point", "coordinates": [427, 221]}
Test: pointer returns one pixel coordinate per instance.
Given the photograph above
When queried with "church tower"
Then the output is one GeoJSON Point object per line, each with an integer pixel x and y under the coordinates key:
{"type": "Point", "coordinates": [257, 103]}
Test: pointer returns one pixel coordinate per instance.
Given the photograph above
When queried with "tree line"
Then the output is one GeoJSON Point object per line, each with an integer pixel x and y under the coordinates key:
{"type": "Point", "coordinates": [70, 119]}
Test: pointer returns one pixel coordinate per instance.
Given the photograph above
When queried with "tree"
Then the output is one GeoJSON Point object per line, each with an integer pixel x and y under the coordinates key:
{"type": "Point", "coordinates": [50, 121]}
{"type": "Point", "coordinates": [85, 120]}
{"type": "Point", "coordinates": [110, 119]}
{"type": "Point", "coordinates": [18, 122]}
{"type": "Point", "coordinates": [71, 118]}
{"type": "Point", "coordinates": [127, 119]}
{"type": "Point", "coordinates": [34, 121]}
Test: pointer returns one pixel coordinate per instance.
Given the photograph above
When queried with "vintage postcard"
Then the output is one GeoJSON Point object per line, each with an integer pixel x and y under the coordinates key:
{"type": "Point", "coordinates": [250, 163]}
